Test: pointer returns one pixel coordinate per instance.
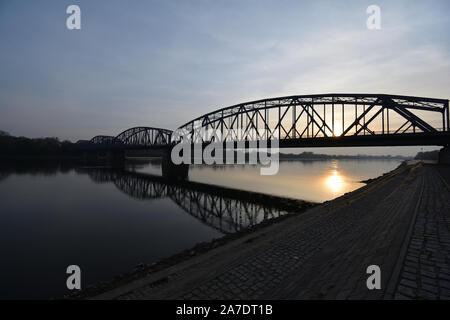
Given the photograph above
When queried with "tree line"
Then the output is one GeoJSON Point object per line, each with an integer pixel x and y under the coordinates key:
{"type": "Point", "coordinates": [22, 146]}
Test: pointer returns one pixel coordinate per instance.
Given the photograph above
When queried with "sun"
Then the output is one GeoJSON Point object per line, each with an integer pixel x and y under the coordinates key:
{"type": "Point", "coordinates": [337, 131]}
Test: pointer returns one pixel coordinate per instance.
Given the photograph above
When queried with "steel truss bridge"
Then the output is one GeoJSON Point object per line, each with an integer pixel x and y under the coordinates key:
{"type": "Point", "coordinates": [133, 138]}
{"type": "Point", "coordinates": [226, 210]}
{"type": "Point", "coordinates": [322, 120]}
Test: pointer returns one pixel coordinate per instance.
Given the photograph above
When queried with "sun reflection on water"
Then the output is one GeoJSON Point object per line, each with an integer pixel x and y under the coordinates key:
{"type": "Point", "coordinates": [335, 182]}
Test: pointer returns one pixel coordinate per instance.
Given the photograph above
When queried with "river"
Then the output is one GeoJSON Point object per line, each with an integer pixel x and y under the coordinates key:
{"type": "Point", "coordinates": [55, 215]}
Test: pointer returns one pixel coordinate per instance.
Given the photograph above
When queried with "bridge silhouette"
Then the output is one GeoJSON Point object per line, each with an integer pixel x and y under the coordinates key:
{"type": "Point", "coordinates": [133, 138]}
{"type": "Point", "coordinates": [322, 120]}
{"type": "Point", "coordinates": [224, 209]}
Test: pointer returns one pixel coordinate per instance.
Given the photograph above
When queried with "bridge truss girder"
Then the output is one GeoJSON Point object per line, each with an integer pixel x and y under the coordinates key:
{"type": "Point", "coordinates": [144, 137]}
{"type": "Point", "coordinates": [319, 116]}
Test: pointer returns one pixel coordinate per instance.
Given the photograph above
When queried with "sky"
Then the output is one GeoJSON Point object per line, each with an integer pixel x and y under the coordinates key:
{"type": "Point", "coordinates": [163, 63]}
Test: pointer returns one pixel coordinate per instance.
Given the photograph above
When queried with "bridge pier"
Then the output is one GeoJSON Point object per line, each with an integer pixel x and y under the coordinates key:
{"type": "Point", "coordinates": [444, 155]}
{"type": "Point", "coordinates": [171, 170]}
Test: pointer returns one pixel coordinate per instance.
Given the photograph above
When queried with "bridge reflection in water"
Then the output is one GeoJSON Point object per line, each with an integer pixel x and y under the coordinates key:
{"type": "Point", "coordinates": [224, 209]}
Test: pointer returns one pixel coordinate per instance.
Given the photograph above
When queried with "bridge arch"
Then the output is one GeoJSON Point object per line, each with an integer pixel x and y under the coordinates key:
{"type": "Point", "coordinates": [144, 137]}
{"type": "Point", "coordinates": [327, 116]}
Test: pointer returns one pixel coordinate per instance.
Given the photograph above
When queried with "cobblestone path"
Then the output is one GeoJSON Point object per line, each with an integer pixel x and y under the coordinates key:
{"type": "Point", "coordinates": [426, 269]}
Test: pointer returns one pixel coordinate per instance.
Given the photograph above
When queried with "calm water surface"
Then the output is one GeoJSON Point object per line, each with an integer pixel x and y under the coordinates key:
{"type": "Point", "coordinates": [315, 180]}
{"type": "Point", "coordinates": [107, 222]}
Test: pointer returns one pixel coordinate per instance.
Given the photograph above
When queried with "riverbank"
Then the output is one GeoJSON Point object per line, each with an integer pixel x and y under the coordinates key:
{"type": "Point", "coordinates": [321, 253]}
